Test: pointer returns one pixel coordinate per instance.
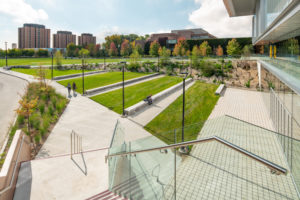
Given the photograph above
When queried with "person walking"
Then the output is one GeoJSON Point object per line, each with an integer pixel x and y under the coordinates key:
{"type": "Point", "coordinates": [69, 89]}
{"type": "Point", "coordinates": [74, 87]}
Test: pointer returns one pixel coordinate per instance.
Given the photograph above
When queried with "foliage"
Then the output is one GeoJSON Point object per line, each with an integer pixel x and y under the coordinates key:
{"type": "Point", "coordinates": [219, 51]}
{"type": "Point", "coordinates": [233, 48]}
{"type": "Point", "coordinates": [195, 56]}
{"type": "Point", "coordinates": [247, 50]}
{"type": "Point", "coordinates": [125, 48]}
{"type": "Point", "coordinates": [154, 47]}
{"type": "Point", "coordinates": [113, 51]}
{"type": "Point", "coordinates": [205, 49]}
{"type": "Point", "coordinates": [293, 46]}
{"type": "Point", "coordinates": [58, 58]}
{"type": "Point", "coordinates": [164, 54]}
{"type": "Point", "coordinates": [42, 53]}
{"type": "Point", "coordinates": [181, 47]}
{"type": "Point", "coordinates": [71, 50]}
{"type": "Point", "coordinates": [247, 84]}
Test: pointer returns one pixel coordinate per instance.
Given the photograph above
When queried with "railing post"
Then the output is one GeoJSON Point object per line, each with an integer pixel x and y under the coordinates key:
{"type": "Point", "coordinates": [129, 158]}
{"type": "Point", "coordinates": [71, 143]}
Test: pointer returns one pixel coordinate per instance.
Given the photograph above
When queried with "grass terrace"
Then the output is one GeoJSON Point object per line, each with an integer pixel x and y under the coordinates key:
{"type": "Point", "coordinates": [100, 80]}
{"type": "Point", "coordinates": [48, 61]}
{"type": "Point", "coordinates": [135, 93]}
{"type": "Point", "coordinates": [34, 72]}
{"type": "Point", "coordinates": [200, 100]}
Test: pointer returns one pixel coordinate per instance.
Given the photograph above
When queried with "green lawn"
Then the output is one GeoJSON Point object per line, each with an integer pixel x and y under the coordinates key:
{"type": "Point", "coordinates": [48, 61]}
{"type": "Point", "coordinates": [135, 93]}
{"type": "Point", "coordinates": [200, 101]}
{"type": "Point", "coordinates": [56, 72]}
{"type": "Point", "coordinates": [99, 80]}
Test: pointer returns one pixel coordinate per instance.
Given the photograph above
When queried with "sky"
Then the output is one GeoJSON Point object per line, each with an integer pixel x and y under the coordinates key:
{"type": "Point", "coordinates": [106, 17]}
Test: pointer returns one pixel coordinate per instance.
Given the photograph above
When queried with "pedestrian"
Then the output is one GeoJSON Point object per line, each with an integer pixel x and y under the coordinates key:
{"type": "Point", "coordinates": [69, 89]}
{"type": "Point", "coordinates": [149, 99]}
{"type": "Point", "coordinates": [74, 89]}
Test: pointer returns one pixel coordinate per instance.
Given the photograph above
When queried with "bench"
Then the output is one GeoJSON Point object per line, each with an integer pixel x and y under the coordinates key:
{"type": "Point", "coordinates": [220, 89]}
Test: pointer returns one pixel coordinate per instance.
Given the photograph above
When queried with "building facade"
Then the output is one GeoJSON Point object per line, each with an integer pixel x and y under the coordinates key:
{"type": "Point", "coordinates": [62, 38]}
{"type": "Point", "coordinates": [86, 39]}
{"type": "Point", "coordinates": [33, 36]}
{"type": "Point", "coordinates": [14, 45]}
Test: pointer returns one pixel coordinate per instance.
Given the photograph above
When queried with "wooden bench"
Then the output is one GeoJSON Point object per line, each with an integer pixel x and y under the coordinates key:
{"type": "Point", "coordinates": [220, 89]}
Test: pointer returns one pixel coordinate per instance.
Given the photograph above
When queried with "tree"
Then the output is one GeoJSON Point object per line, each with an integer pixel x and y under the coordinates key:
{"type": "Point", "coordinates": [98, 50]}
{"type": "Point", "coordinates": [205, 49]}
{"type": "Point", "coordinates": [116, 39]}
{"type": "Point", "coordinates": [293, 46]}
{"type": "Point", "coordinates": [219, 51]}
{"type": "Point", "coordinates": [164, 53]}
{"type": "Point", "coordinates": [139, 48]}
{"type": "Point", "coordinates": [247, 50]}
{"type": "Point", "coordinates": [113, 51]}
{"type": "Point", "coordinates": [233, 48]}
{"type": "Point", "coordinates": [92, 49]}
{"type": "Point", "coordinates": [181, 47]}
{"type": "Point", "coordinates": [58, 59]}
{"type": "Point", "coordinates": [154, 47]}
{"type": "Point", "coordinates": [195, 56]}
{"type": "Point", "coordinates": [135, 56]}
{"type": "Point", "coordinates": [71, 48]}
{"type": "Point", "coordinates": [26, 109]}
{"type": "Point", "coordinates": [125, 48]}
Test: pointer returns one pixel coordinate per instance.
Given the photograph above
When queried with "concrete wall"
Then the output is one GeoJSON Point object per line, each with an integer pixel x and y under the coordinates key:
{"type": "Point", "coordinates": [18, 152]}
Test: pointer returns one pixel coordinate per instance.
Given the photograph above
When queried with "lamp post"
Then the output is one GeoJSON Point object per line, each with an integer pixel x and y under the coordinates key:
{"type": "Point", "coordinates": [104, 55]}
{"type": "Point", "coordinates": [82, 75]}
{"type": "Point", "coordinates": [6, 53]}
{"type": "Point", "coordinates": [52, 66]}
{"type": "Point", "coordinates": [158, 63]}
{"type": "Point", "coordinates": [123, 86]}
{"type": "Point", "coordinates": [183, 149]}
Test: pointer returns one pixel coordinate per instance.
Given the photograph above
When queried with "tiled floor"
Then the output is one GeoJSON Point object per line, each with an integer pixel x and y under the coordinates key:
{"type": "Point", "coordinates": [214, 171]}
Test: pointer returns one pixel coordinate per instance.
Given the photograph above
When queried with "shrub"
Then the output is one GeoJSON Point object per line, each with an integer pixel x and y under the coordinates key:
{"type": "Point", "coordinates": [133, 67]}
{"type": "Point", "coordinates": [50, 110]}
{"type": "Point", "coordinates": [54, 101]}
{"type": "Point", "coordinates": [33, 119]}
{"type": "Point", "coordinates": [21, 119]}
{"type": "Point", "coordinates": [42, 108]}
{"type": "Point", "coordinates": [37, 139]}
{"type": "Point", "coordinates": [42, 131]}
{"type": "Point", "coordinates": [247, 84]}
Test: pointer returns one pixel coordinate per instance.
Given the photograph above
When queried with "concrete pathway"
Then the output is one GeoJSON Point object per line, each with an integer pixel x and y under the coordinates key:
{"type": "Point", "coordinates": [11, 90]}
{"type": "Point", "coordinates": [145, 116]}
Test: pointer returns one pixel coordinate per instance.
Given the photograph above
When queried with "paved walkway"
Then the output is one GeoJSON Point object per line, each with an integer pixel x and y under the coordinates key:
{"type": "Point", "coordinates": [144, 117]}
{"type": "Point", "coordinates": [10, 90]}
{"type": "Point", "coordinates": [214, 171]}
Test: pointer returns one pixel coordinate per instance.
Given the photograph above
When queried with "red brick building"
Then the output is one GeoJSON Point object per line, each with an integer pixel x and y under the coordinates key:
{"type": "Point", "coordinates": [62, 38]}
{"type": "Point", "coordinates": [33, 36]}
{"type": "Point", "coordinates": [86, 39]}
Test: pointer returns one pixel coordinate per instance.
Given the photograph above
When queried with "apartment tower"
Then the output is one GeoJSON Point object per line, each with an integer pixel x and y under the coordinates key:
{"type": "Point", "coordinates": [62, 38]}
{"type": "Point", "coordinates": [86, 39]}
{"type": "Point", "coordinates": [33, 36]}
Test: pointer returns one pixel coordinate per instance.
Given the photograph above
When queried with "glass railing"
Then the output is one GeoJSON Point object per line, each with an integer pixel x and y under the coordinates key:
{"type": "Point", "coordinates": [209, 170]}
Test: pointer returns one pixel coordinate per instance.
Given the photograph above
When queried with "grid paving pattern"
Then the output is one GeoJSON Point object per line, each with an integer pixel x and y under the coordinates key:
{"type": "Point", "coordinates": [214, 171]}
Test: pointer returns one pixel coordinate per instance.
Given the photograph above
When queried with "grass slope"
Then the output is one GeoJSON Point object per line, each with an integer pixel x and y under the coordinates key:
{"type": "Point", "coordinates": [34, 72]}
{"type": "Point", "coordinates": [200, 101]}
{"type": "Point", "coordinates": [135, 93]}
{"type": "Point", "coordinates": [99, 80]}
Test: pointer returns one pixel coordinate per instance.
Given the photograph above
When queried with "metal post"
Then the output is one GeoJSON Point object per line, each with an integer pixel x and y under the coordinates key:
{"type": "Point", "coordinates": [71, 144]}
{"type": "Point", "coordinates": [123, 89]}
{"type": "Point", "coordinates": [82, 77]}
{"type": "Point", "coordinates": [52, 66]}
{"type": "Point", "coordinates": [183, 108]}
{"type": "Point", "coordinates": [129, 149]}
{"type": "Point", "coordinates": [6, 53]}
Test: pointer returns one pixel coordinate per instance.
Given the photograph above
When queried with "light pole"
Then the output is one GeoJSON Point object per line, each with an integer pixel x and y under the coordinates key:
{"type": "Point", "coordinates": [158, 63]}
{"type": "Point", "coordinates": [104, 55]}
{"type": "Point", "coordinates": [6, 53]}
{"type": "Point", "coordinates": [183, 149]}
{"type": "Point", "coordinates": [82, 75]}
{"type": "Point", "coordinates": [123, 86]}
{"type": "Point", "coordinates": [52, 66]}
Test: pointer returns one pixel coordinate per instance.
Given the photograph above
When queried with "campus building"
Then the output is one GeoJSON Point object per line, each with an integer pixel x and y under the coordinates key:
{"type": "Point", "coordinates": [86, 39]}
{"type": "Point", "coordinates": [33, 36]}
{"type": "Point", "coordinates": [62, 38]}
{"type": "Point", "coordinates": [14, 45]}
{"type": "Point", "coordinates": [170, 39]}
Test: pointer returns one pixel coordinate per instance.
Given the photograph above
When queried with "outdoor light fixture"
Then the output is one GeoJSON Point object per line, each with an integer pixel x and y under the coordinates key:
{"type": "Point", "coordinates": [123, 63]}
{"type": "Point", "coordinates": [184, 149]}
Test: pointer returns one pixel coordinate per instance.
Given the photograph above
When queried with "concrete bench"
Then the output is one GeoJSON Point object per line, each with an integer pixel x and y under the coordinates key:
{"type": "Point", "coordinates": [155, 98]}
{"type": "Point", "coordinates": [115, 85]}
{"type": "Point", "coordinates": [69, 76]}
{"type": "Point", "coordinates": [220, 89]}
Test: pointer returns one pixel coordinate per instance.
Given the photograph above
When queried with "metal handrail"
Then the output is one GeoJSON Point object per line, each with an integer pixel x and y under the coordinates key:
{"type": "Point", "coordinates": [15, 167]}
{"type": "Point", "coordinates": [274, 167]}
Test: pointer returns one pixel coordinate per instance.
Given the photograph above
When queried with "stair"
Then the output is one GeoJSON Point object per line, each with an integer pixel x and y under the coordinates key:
{"type": "Point", "coordinates": [106, 195]}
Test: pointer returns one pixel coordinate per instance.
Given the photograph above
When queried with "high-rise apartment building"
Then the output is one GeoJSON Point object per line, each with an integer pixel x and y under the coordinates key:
{"type": "Point", "coordinates": [14, 45]}
{"type": "Point", "coordinates": [86, 39]}
{"type": "Point", "coordinates": [33, 36]}
{"type": "Point", "coordinates": [62, 38]}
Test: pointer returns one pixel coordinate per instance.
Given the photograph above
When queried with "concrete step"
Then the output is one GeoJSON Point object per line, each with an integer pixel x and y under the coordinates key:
{"type": "Point", "coordinates": [106, 195]}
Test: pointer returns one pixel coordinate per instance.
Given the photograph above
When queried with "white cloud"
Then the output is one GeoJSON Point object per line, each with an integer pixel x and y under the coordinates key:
{"type": "Point", "coordinates": [22, 12]}
{"type": "Point", "coordinates": [212, 17]}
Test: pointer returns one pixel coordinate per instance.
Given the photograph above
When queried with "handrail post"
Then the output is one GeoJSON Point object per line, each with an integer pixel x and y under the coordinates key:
{"type": "Point", "coordinates": [71, 144]}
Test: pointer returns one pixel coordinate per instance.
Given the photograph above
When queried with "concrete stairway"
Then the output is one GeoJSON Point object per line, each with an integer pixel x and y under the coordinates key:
{"type": "Point", "coordinates": [106, 195]}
